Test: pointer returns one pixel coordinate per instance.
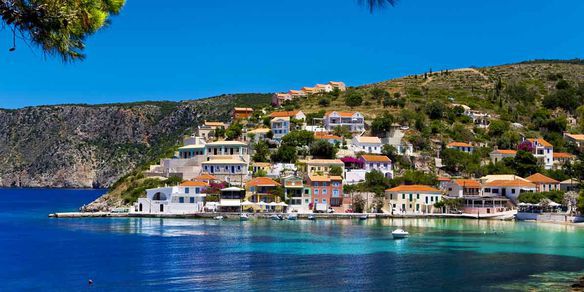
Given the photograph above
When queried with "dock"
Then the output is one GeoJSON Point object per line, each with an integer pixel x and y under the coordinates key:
{"type": "Point", "coordinates": [231, 215]}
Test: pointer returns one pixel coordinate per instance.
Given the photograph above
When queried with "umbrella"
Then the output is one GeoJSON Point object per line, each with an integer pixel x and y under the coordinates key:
{"type": "Point", "coordinates": [247, 203]}
{"type": "Point", "coordinates": [262, 203]}
{"type": "Point", "coordinates": [282, 204]}
{"type": "Point", "coordinates": [273, 204]}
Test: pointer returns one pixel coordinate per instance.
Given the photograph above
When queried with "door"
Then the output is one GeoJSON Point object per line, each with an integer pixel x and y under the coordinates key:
{"type": "Point", "coordinates": [161, 208]}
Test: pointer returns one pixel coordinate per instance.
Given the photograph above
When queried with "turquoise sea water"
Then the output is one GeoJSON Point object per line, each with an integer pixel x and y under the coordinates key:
{"type": "Point", "coordinates": [37, 252]}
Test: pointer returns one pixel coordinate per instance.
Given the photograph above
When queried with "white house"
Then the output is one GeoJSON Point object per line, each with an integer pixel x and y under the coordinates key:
{"type": "Point", "coordinates": [461, 146]}
{"type": "Point", "coordinates": [227, 168]}
{"type": "Point", "coordinates": [227, 148]}
{"type": "Point", "coordinates": [543, 151]}
{"type": "Point", "coordinates": [339, 85]}
{"type": "Point", "coordinates": [380, 163]}
{"type": "Point", "coordinates": [459, 188]}
{"type": "Point", "coordinates": [280, 127]}
{"type": "Point", "coordinates": [297, 115]}
{"type": "Point", "coordinates": [279, 98]}
{"type": "Point", "coordinates": [498, 154]}
{"type": "Point", "coordinates": [412, 199]}
{"type": "Point", "coordinates": [366, 144]}
{"type": "Point", "coordinates": [259, 134]}
{"type": "Point", "coordinates": [544, 183]}
{"type": "Point", "coordinates": [187, 198]}
{"type": "Point", "coordinates": [507, 188]}
{"type": "Point", "coordinates": [354, 121]}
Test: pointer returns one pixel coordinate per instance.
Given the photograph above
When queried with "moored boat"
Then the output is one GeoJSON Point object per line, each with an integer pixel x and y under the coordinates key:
{"type": "Point", "coordinates": [243, 217]}
{"type": "Point", "coordinates": [218, 217]}
{"type": "Point", "coordinates": [311, 217]}
{"type": "Point", "coordinates": [276, 217]}
{"type": "Point", "coordinates": [292, 217]}
{"type": "Point", "coordinates": [363, 217]}
{"type": "Point", "coordinates": [400, 233]}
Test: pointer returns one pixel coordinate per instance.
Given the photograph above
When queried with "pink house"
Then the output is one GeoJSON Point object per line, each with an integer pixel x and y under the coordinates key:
{"type": "Point", "coordinates": [327, 191]}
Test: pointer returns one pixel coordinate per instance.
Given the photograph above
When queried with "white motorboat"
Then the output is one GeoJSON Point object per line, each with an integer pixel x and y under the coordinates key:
{"type": "Point", "coordinates": [363, 217]}
{"type": "Point", "coordinates": [243, 217]}
{"type": "Point", "coordinates": [218, 217]}
{"type": "Point", "coordinates": [400, 233]}
{"type": "Point", "coordinates": [276, 217]}
{"type": "Point", "coordinates": [311, 217]}
{"type": "Point", "coordinates": [292, 217]}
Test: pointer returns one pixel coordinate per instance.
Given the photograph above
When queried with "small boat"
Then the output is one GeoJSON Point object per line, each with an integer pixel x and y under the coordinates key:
{"type": "Point", "coordinates": [292, 217]}
{"type": "Point", "coordinates": [363, 217]}
{"type": "Point", "coordinates": [400, 233]}
{"type": "Point", "coordinates": [276, 217]}
{"type": "Point", "coordinates": [218, 217]}
{"type": "Point", "coordinates": [311, 217]}
{"type": "Point", "coordinates": [243, 217]}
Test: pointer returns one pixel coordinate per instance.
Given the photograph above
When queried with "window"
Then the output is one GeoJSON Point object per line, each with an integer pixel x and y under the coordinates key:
{"type": "Point", "coordinates": [426, 200]}
{"type": "Point", "coordinates": [197, 190]}
{"type": "Point", "coordinates": [316, 201]}
{"type": "Point", "coordinates": [324, 191]}
{"type": "Point", "coordinates": [186, 190]}
{"type": "Point", "coordinates": [324, 201]}
{"type": "Point", "coordinates": [336, 193]}
{"type": "Point", "coordinates": [513, 191]}
{"type": "Point", "coordinates": [417, 196]}
{"type": "Point", "coordinates": [192, 200]}
{"type": "Point", "coordinates": [316, 191]}
{"type": "Point", "coordinates": [411, 197]}
{"type": "Point", "coordinates": [403, 196]}
{"type": "Point", "coordinates": [181, 200]}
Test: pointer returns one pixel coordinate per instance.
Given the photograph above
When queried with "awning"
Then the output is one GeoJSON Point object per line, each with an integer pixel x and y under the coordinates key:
{"type": "Point", "coordinates": [229, 203]}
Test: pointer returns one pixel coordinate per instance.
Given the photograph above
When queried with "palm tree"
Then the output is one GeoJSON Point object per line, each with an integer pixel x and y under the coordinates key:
{"type": "Point", "coordinates": [377, 4]}
{"type": "Point", "coordinates": [58, 27]}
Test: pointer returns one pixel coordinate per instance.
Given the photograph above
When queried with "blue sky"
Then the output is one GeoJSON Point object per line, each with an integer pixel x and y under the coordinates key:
{"type": "Point", "coordinates": [187, 49]}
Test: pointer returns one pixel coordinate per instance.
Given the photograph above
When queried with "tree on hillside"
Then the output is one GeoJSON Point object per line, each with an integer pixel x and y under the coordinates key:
{"type": "Point", "coordinates": [525, 164]}
{"type": "Point", "coordinates": [298, 138]}
{"type": "Point", "coordinates": [435, 110]}
{"type": "Point", "coordinates": [382, 124]}
{"type": "Point", "coordinates": [285, 154]}
{"type": "Point", "coordinates": [59, 28]}
{"type": "Point", "coordinates": [323, 149]}
{"type": "Point", "coordinates": [353, 99]}
{"type": "Point", "coordinates": [261, 151]}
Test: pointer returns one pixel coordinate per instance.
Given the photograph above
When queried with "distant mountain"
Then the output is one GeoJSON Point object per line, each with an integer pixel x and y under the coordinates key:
{"type": "Point", "coordinates": [84, 146]}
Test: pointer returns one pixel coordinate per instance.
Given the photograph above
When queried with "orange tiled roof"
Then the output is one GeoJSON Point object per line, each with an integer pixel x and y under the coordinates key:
{"type": "Point", "coordinates": [215, 124]}
{"type": "Point", "coordinates": [283, 114]}
{"type": "Point", "coordinates": [325, 161]}
{"type": "Point", "coordinates": [541, 141]}
{"type": "Point", "coordinates": [578, 137]}
{"type": "Point", "coordinates": [444, 179]}
{"type": "Point", "coordinates": [563, 155]}
{"type": "Point", "coordinates": [506, 151]}
{"type": "Point", "coordinates": [342, 114]}
{"type": "Point", "coordinates": [368, 139]}
{"type": "Point", "coordinates": [458, 144]}
{"type": "Point", "coordinates": [205, 176]}
{"type": "Point", "coordinates": [413, 188]}
{"type": "Point", "coordinates": [375, 158]}
{"type": "Point", "coordinates": [325, 135]}
{"type": "Point", "coordinates": [262, 181]}
{"type": "Point", "coordinates": [319, 178]}
{"type": "Point", "coordinates": [540, 178]}
{"type": "Point", "coordinates": [468, 183]}
{"type": "Point", "coordinates": [510, 183]}
{"type": "Point", "coordinates": [194, 184]}
{"type": "Point", "coordinates": [243, 109]}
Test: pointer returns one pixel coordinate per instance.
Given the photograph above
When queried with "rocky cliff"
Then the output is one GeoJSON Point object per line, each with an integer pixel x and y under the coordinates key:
{"type": "Point", "coordinates": [81, 146]}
